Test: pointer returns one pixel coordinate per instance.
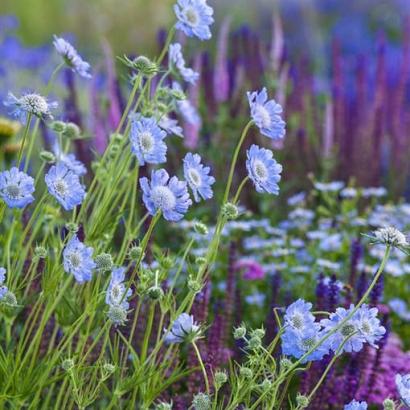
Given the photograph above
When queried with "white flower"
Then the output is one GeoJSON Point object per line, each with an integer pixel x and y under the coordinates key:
{"type": "Point", "coordinates": [391, 236]}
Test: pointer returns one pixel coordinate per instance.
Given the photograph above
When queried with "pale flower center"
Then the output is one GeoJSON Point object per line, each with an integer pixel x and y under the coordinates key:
{"type": "Point", "coordinates": [116, 293]}
{"type": "Point", "coordinates": [194, 177]}
{"type": "Point", "coordinates": [163, 198]}
{"type": "Point", "coordinates": [347, 330]}
{"type": "Point", "coordinates": [366, 328]}
{"type": "Point", "coordinates": [13, 191]}
{"type": "Point", "coordinates": [146, 141]}
{"type": "Point", "coordinates": [263, 115]}
{"type": "Point", "coordinates": [35, 104]}
{"type": "Point", "coordinates": [308, 343]}
{"type": "Point", "coordinates": [75, 260]}
{"type": "Point", "coordinates": [192, 16]}
{"type": "Point", "coordinates": [260, 170]}
{"type": "Point", "coordinates": [297, 321]}
{"type": "Point", "coordinates": [61, 187]}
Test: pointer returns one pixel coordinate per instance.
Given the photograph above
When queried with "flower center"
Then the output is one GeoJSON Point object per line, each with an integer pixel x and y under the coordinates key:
{"type": "Point", "coordinates": [146, 141]}
{"type": "Point", "coordinates": [192, 16]}
{"type": "Point", "coordinates": [347, 330]}
{"type": "Point", "coordinates": [116, 293]}
{"type": "Point", "coordinates": [308, 343]}
{"type": "Point", "coordinates": [194, 177]}
{"type": "Point", "coordinates": [263, 115]}
{"type": "Point", "coordinates": [366, 328]}
{"type": "Point", "coordinates": [260, 170]}
{"type": "Point", "coordinates": [75, 260]}
{"type": "Point", "coordinates": [13, 191]}
{"type": "Point", "coordinates": [61, 187]}
{"type": "Point", "coordinates": [35, 104]}
{"type": "Point", "coordinates": [297, 321]}
{"type": "Point", "coordinates": [163, 198]}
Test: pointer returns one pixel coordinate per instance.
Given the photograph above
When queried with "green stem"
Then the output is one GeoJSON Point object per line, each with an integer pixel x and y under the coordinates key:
{"type": "Point", "coordinates": [201, 363]}
{"type": "Point", "coordinates": [25, 134]}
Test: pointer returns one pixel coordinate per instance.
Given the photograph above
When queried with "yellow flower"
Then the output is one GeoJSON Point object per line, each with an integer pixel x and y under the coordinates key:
{"type": "Point", "coordinates": [8, 128]}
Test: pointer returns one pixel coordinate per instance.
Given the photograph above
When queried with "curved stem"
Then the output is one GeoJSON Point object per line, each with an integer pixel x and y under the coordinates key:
{"type": "Point", "coordinates": [238, 192]}
{"type": "Point", "coordinates": [201, 363]}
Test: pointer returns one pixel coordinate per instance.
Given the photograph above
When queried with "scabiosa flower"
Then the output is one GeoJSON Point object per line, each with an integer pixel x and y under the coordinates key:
{"type": "Point", "coordinates": [194, 18]}
{"type": "Point", "coordinates": [117, 293]}
{"type": "Point", "coordinates": [170, 196]}
{"type": "Point", "coordinates": [298, 315]}
{"type": "Point", "coordinates": [32, 103]}
{"type": "Point", "coordinates": [403, 387]}
{"type": "Point", "coordinates": [266, 114]}
{"type": "Point", "coordinates": [183, 329]}
{"type": "Point", "coordinates": [3, 288]}
{"type": "Point", "coordinates": [391, 236]}
{"type": "Point", "coordinates": [263, 169]}
{"type": "Point", "coordinates": [147, 140]}
{"type": "Point", "coordinates": [16, 188]}
{"type": "Point", "coordinates": [368, 324]}
{"type": "Point", "coordinates": [71, 57]}
{"type": "Point", "coordinates": [65, 186]}
{"type": "Point", "coordinates": [356, 405]}
{"type": "Point", "coordinates": [170, 126]}
{"type": "Point", "coordinates": [197, 177]}
{"type": "Point", "coordinates": [78, 260]}
{"type": "Point", "coordinates": [329, 186]}
{"type": "Point", "coordinates": [70, 161]}
{"type": "Point", "coordinates": [177, 59]}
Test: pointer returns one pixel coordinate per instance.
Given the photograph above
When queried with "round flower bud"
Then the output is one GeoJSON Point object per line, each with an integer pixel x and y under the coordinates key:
{"type": "Point", "coordinates": [201, 401]}
{"type": "Point", "coordinates": [389, 404]}
{"type": "Point", "coordinates": [194, 285]}
{"type": "Point", "coordinates": [200, 260]}
{"type": "Point", "coordinates": [246, 372]}
{"type": "Point", "coordinates": [58, 126]}
{"type": "Point", "coordinates": [72, 131]}
{"type": "Point", "coordinates": [155, 292]}
{"type": "Point", "coordinates": [201, 228]}
{"type": "Point", "coordinates": [47, 157]}
{"type": "Point", "coordinates": [9, 299]}
{"type": "Point", "coordinates": [302, 401]}
{"type": "Point", "coordinates": [167, 262]}
{"type": "Point", "coordinates": [116, 138]}
{"type": "Point", "coordinates": [117, 315]}
{"type": "Point", "coordinates": [258, 333]}
{"type": "Point", "coordinates": [254, 343]}
{"type": "Point", "coordinates": [266, 385]}
{"type": "Point", "coordinates": [220, 378]}
{"type": "Point", "coordinates": [104, 262]}
{"type": "Point", "coordinates": [285, 363]}
{"type": "Point", "coordinates": [178, 94]}
{"type": "Point", "coordinates": [108, 368]}
{"type": "Point", "coordinates": [239, 332]}
{"type": "Point", "coordinates": [136, 253]}
{"type": "Point", "coordinates": [67, 364]}
{"type": "Point", "coordinates": [145, 66]}
{"type": "Point", "coordinates": [163, 406]}
{"type": "Point", "coordinates": [230, 211]}
{"type": "Point", "coordinates": [40, 252]}
{"type": "Point", "coordinates": [72, 227]}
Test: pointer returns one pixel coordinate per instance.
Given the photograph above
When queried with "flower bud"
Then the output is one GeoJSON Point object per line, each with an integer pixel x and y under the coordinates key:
{"type": "Point", "coordinates": [285, 363]}
{"type": "Point", "coordinates": [201, 401]}
{"type": "Point", "coordinates": [145, 66]}
{"type": "Point", "coordinates": [67, 364]}
{"type": "Point", "coordinates": [254, 343]}
{"type": "Point", "coordinates": [108, 369]}
{"type": "Point", "coordinates": [200, 260]}
{"type": "Point", "coordinates": [72, 131]}
{"type": "Point", "coordinates": [266, 384]}
{"type": "Point", "coordinates": [389, 404]}
{"type": "Point", "coordinates": [72, 227]}
{"type": "Point", "coordinates": [9, 299]}
{"type": "Point", "coordinates": [104, 262]}
{"type": "Point", "coordinates": [167, 262]}
{"type": "Point", "coordinates": [163, 406]}
{"type": "Point", "coordinates": [201, 228]}
{"type": "Point", "coordinates": [239, 332]}
{"type": "Point", "coordinates": [155, 292]}
{"type": "Point", "coordinates": [194, 285]}
{"type": "Point", "coordinates": [47, 156]}
{"type": "Point", "coordinates": [117, 315]}
{"type": "Point", "coordinates": [116, 138]}
{"type": "Point", "coordinates": [302, 401]}
{"type": "Point", "coordinates": [135, 253]}
{"type": "Point", "coordinates": [230, 211]}
{"type": "Point", "coordinates": [258, 333]}
{"type": "Point", "coordinates": [246, 372]}
{"type": "Point", "coordinates": [40, 252]}
{"type": "Point", "coordinates": [58, 126]}
{"type": "Point", "coordinates": [220, 378]}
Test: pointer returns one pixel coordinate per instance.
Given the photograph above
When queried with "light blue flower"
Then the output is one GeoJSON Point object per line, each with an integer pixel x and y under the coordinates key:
{"type": "Point", "coordinates": [298, 315]}
{"type": "Point", "coordinates": [329, 186]}
{"type": "Point", "coordinates": [263, 169]}
{"type": "Point", "coordinates": [16, 188]}
{"type": "Point", "coordinates": [194, 18]}
{"type": "Point", "coordinates": [117, 293]}
{"type": "Point", "coordinates": [147, 140]}
{"type": "Point", "coordinates": [198, 177]}
{"type": "Point", "coordinates": [183, 329]}
{"type": "Point", "coordinates": [368, 325]}
{"type": "Point", "coordinates": [356, 405]}
{"type": "Point", "coordinates": [403, 387]}
{"type": "Point", "coordinates": [65, 186]}
{"type": "Point", "coordinates": [170, 126]}
{"type": "Point", "coordinates": [78, 260]}
{"type": "Point", "coordinates": [70, 161]}
{"type": "Point", "coordinates": [266, 114]}
{"type": "Point", "coordinates": [177, 60]}
{"type": "Point", "coordinates": [31, 103]}
{"type": "Point", "coordinates": [71, 57]}
{"type": "Point", "coordinates": [3, 288]}
{"type": "Point", "coordinates": [165, 194]}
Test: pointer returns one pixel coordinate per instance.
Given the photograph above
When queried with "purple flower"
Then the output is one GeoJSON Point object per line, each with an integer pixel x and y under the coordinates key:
{"type": "Point", "coordinates": [252, 270]}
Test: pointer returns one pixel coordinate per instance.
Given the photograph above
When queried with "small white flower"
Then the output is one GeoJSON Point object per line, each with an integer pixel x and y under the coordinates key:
{"type": "Point", "coordinates": [391, 236]}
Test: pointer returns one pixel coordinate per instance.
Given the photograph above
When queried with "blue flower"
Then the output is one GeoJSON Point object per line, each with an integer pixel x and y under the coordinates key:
{"type": "Point", "coordinates": [70, 161]}
{"type": "Point", "coordinates": [368, 325]}
{"type": "Point", "coordinates": [16, 188]}
{"type": "Point", "coordinates": [177, 59]}
{"type": "Point", "coordinates": [117, 293]}
{"type": "Point", "coordinates": [298, 315]}
{"type": "Point", "coordinates": [194, 18]}
{"type": "Point", "coordinates": [183, 329]}
{"type": "Point", "coordinates": [356, 405]}
{"type": "Point", "coordinates": [78, 260]}
{"type": "Point", "coordinates": [266, 114]}
{"type": "Point", "coordinates": [3, 288]}
{"type": "Point", "coordinates": [65, 186]}
{"type": "Point", "coordinates": [29, 104]}
{"type": "Point", "coordinates": [198, 177]}
{"type": "Point", "coordinates": [403, 387]}
{"type": "Point", "coordinates": [147, 140]}
{"type": "Point", "coordinates": [71, 57]}
{"type": "Point", "coordinates": [263, 169]}
{"type": "Point", "coordinates": [170, 126]}
{"type": "Point", "coordinates": [170, 196]}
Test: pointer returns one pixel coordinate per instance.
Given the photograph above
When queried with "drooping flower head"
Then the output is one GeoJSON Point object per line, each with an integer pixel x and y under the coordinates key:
{"type": "Point", "coordinates": [403, 387]}
{"type": "Point", "coordinates": [356, 405]}
{"type": "Point", "coordinates": [177, 60]}
{"type": "Point", "coordinates": [194, 18]}
{"type": "Point", "coordinates": [65, 186]}
{"type": "Point", "coordinates": [197, 177]}
{"type": "Point", "coordinates": [263, 169]}
{"type": "Point", "coordinates": [147, 140]}
{"type": "Point", "coordinates": [117, 294]}
{"type": "Point", "coordinates": [168, 195]}
{"type": "Point", "coordinates": [16, 188]}
{"type": "Point", "coordinates": [78, 260]}
{"type": "Point", "coordinates": [183, 329]}
{"type": "Point", "coordinates": [32, 103]}
{"type": "Point", "coordinates": [266, 114]}
{"type": "Point", "coordinates": [71, 57]}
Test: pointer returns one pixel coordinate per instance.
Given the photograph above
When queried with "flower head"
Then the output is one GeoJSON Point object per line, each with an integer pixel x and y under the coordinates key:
{"type": "Point", "coordinates": [170, 126]}
{"type": "Point", "coordinates": [117, 292]}
{"type": "Point", "coordinates": [16, 188]}
{"type": "Point", "coordinates": [168, 195]}
{"type": "Point", "coordinates": [65, 186]}
{"type": "Point", "coordinates": [356, 405]}
{"type": "Point", "coordinates": [194, 18]}
{"type": "Point", "coordinates": [403, 387]}
{"type": "Point", "coordinates": [70, 161]}
{"type": "Point", "coordinates": [33, 104]}
{"type": "Point", "coordinates": [197, 177]}
{"type": "Point", "coordinates": [298, 315]}
{"type": "Point", "coordinates": [391, 236]}
{"type": "Point", "coordinates": [263, 170]}
{"type": "Point", "coordinates": [183, 329]}
{"type": "Point", "coordinates": [78, 260]}
{"type": "Point", "coordinates": [3, 288]}
{"type": "Point", "coordinates": [71, 57]}
{"type": "Point", "coordinates": [147, 140]}
{"type": "Point", "coordinates": [266, 114]}
{"type": "Point", "coordinates": [177, 59]}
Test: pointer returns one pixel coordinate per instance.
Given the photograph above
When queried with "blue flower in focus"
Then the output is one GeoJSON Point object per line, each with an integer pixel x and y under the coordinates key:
{"type": "Point", "coordinates": [33, 104]}
{"type": "Point", "coordinates": [194, 18]}
{"type": "Point", "coordinates": [356, 405]}
{"type": "Point", "coordinates": [78, 260]}
{"type": "Point", "coordinates": [177, 59]}
{"type": "Point", "coordinates": [65, 186]}
{"type": "Point", "coordinates": [71, 57]}
{"type": "Point", "coordinates": [183, 329]}
{"type": "Point", "coordinates": [368, 325]}
{"type": "Point", "coordinates": [298, 315]}
{"type": "Point", "coordinates": [147, 140]}
{"type": "Point", "coordinates": [266, 114]}
{"type": "Point", "coordinates": [198, 177]}
{"type": "Point", "coordinates": [170, 196]}
{"type": "Point", "coordinates": [403, 387]}
{"type": "Point", "coordinates": [117, 293]}
{"type": "Point", "coordinates": [3, 288]}
{"type": "Point", "coordinates": [16, 188]}
{"type": "Point", "coordinates": [263, 169]}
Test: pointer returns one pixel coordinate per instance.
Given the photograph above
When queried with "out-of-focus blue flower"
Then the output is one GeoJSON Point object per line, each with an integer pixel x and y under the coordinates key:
{"type": "Point", "coordinates": [198, 177]}
{"type": "Point", "coordinates": [298, 315]}
{"type": "Point", "coordinates": [184, 329]}
{"type": "Point", "coordinates": [78, 260]}
{"type": "Point", "coordinates": [70, 161]}
{"type": "Point", "coordinates": [356, 405]}
{"type": "Point", "coordinates": [32, 103]}
{"type": "Point", "coordinates": [170, 126]}
{"type": "Point", "coordinates": [263, 169]}
{"type": "Point", "coordinates": [255, 299]}
{"type": "Point", "coordinates": [403, 387]}
{"type": "Point", "coordinates": [297, 199]}
{"type": "Point", "coordinates": [177, 59]}
{"type": "Point", "coordinates": [266, 114]}
{"type": "Point", "coordinates": [399, 307]}
{"type": "Point", "coordinates": [170, 196]}
{"type": "Point", "coordinates": [65, 186]}
{"type": "Point", "coordinates": [16, 188]}
{"type": "Point", "coordinates": [187, 109]}
{"type": "Point", "coordinates": [71, 57]}
{"type": "Point", "coordinates": [117, 294]}
{"type": "Point", "coordinates": [3, 288]}
{"type": "Point", "coordinates": [147, 140]}
{"type": "Point", "coordinates": [329, 186]}
{"type": "Point", "coordinates": [194, 18]}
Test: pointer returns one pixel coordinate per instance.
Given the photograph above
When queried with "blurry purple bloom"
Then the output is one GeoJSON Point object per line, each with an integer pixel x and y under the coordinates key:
{"type": "Point", "coordinates": [252, 270]}
{"type": "Point", "coordinates": [177, 59]}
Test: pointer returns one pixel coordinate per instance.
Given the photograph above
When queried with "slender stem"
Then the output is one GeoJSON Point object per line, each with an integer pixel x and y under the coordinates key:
{"type": "Point", "coordinates": [201, 363]}
{"type": "Point", "coordinates": [25, 134]}
{"type": "Point", "coordinates": [238, 192]}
